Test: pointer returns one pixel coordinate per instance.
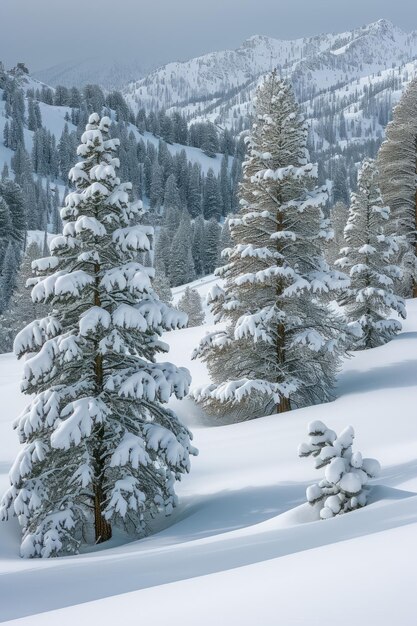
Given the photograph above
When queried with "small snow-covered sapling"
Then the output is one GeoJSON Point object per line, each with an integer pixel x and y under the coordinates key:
{"type": "Point", "coordinates": [345, 486]}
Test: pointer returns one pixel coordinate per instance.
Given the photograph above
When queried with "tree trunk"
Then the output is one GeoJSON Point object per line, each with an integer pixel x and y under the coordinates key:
{"type": "Point", "coordinates": [102, 527]}
{"type": "Point", "coordinates": [284, 404]}
{"type": "Point", "coordinates": [415, 226]}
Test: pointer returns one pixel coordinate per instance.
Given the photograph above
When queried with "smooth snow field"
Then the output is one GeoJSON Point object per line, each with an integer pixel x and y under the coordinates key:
{"type": "Point", "coordinates": [243, 548]}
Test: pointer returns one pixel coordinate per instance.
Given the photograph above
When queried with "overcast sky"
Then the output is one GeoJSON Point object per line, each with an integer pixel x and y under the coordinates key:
{"type": "Point", "coordinates": [46, 32]}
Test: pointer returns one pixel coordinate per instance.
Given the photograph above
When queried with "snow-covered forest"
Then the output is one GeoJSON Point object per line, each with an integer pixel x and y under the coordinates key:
{"type": "Point", "coordinates": [208, 283]}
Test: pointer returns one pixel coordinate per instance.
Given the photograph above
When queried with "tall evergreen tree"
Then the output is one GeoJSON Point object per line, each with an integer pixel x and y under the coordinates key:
{"type": "Point", "coordinates": [236, 175]}
{"type": "Point", "coordinates": [162, 250]}
{"type": "Point", "coordinates": [210, 140]}
{"type": "Point", "coordinates": [100, 449]}
{"type": "Point", "coordinates": [191, 304]}
{"type": "Point", "coordinates": [282, 344]}
{"type": "Point", "coordinates": [34, 115]}
{"type": "Point", "coordinates": [198, 247]}
{"type": "Point", "coordinates": [171, 195]}
{"type": "Point", "coordinates": [13, 196]}
{"type": "Point", "coordinates": [56, 221]}
{"type": "Point", "coordinates": [194, 191]}
{"type": "Point", "coordinates": [22, 310]}
{"type": "Point", "coordinates": [22, 166]}
{"type": "Point", "coordinates": [340, 189]}
{"type": "Point", "coordinates": [397, 164]}
{"type": "Point", "coordinates": [212, 232]}
{"type": "Point", "coordinates": [338, 217]}
{"type": "Point", "coordinates": [9, 275]}
{"type": "Point", "coordinates": [5, 172]}
{"type": "Point", "coordinates": [61, 96]}
{"type": "Point", "coordinates": [161, 282]}
{"type": "Point", "coordinates": [181, 268]}
{"type": "Point", "coordinates": [156, 189]}
{"type": "Point", "coordinates": [6, 135]}
{"type": "Point", "coordinates": [5, 228]}
{"type": "Point", "coordinates": [225, 188]}
{"type": "Point", "coordinates": [225, 240]}
{"type": "Point", "coordinates": [212, 201]}
{"type": "Point", "coordinates": [368, 258]}
{"type": "Point", "coordinates": [65, 152]}
{"type": "Point", "coordinates": [181, 173]}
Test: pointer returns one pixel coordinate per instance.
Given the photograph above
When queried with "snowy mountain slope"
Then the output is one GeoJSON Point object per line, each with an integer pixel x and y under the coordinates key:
{"type": "Point", "coordinates": [53, 120]}
{"type": "Point", "coordinates": [318, 63]}
{"type": "Point", "coordinates": [195, 155]}
{"type": "Point", "coordinates": [359, 109]}
{"type": "Point", "coordinates": [384, 86]}
{"type": "Point", "coordinates": [347, 85]}
{"type": "Point", "coordinates": [363, 51]}
{"type": "Point", "coordinates": [107, 72]}
{"type": "Point", "coordinates": [243, 547]}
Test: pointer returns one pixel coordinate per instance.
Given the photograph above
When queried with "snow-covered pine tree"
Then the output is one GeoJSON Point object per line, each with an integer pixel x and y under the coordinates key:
{"type": "Point", "coordinates": [369, 258]}
{"type": "Point", "coordinates": [171, 195]}
{"type": "Point", "coordinates": [340, 189]}
{"type": "Point", "coordinates": [5, 172]}
{"type": "Point", "coordinates": [198, 247]}
{"type": "Point", "coordinates": [212, 232]}
{"type": "Point", "coordinates": [282, 344]}
{"type": "Point", "coordinates": [210, 141]}
{"type": "Point", "coordinates": [5, 229]}
{"type": "Point", "coordinates": [22, 310]}
{"type": "Point", "coordinates": [225, 185]}
{"type": "Point", "coordinates": [9, 275]}
{"type": "Point", "coordinates": [190, 303]}
{"type": "Point", "coordinates": [338, 217]}
{"type": "Point", "coordinates": [100, 449]}
{"type": "Point", "coordinates": [181, 264]}
{"type": "Point", "coordinates": [225, 239]}
{"type": "Point", "coordinates": [157, 191]}
{"type": "Point", "coordinates": [13, 196]}
{"type": "Point", "coordinates": [194, 191]}
{"type": "Point", "coordinates": [344, 487]}
{"type": "Point", "coordinates": [161, 282]}
{"type": "Point", "coordinates": [212, 200]}
{"type": "Point", "coordinates": [397, 164]}
{"type": "Point", "coordinates": [162, 250]}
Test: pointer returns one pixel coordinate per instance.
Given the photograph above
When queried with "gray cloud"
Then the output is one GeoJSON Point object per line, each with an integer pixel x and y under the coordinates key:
{"type": "Point", "coordinates": [46, 32]}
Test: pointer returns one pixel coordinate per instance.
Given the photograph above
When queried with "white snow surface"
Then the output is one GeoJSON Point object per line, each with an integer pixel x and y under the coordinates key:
{"type": "Point", "coordinates": [243, 547]}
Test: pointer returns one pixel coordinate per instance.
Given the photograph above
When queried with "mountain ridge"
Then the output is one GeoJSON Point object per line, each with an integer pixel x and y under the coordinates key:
{"type": "Point", "coordinates": [322, 60]}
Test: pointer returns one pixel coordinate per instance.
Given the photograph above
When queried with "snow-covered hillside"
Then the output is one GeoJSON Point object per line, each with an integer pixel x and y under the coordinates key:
{"type": "Point", "coordinates": [314, 63]}
{"type": "Point", "coordinates": [54, 120]}
{"type": "Point", "coordinates": [243, 547]}
{"type": "Point", "coordinates": [109, 73]}
{"type": "Point", "coordinates": [347, 85]}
